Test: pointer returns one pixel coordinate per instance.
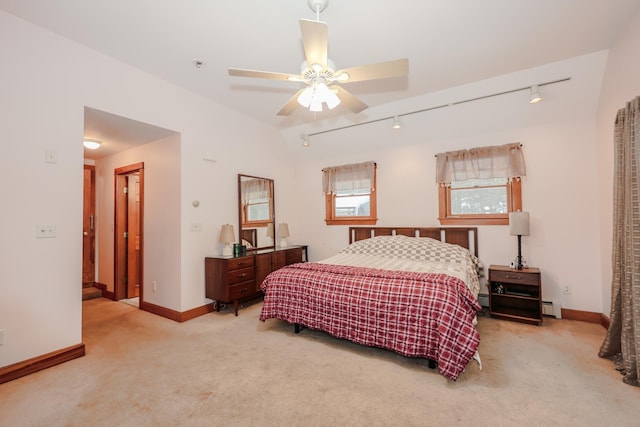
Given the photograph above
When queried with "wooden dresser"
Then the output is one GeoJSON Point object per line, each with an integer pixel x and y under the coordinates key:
{"type": "Point", "coordinates": [236, 279]}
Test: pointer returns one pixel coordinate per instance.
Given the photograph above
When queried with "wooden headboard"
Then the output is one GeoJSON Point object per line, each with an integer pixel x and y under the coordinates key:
{"type": "Point", "coordinates": [466, 237]}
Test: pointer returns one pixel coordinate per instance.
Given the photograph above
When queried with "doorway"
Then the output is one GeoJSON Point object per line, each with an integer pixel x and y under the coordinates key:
{"type": "Point", "coordinates": [128, 233]}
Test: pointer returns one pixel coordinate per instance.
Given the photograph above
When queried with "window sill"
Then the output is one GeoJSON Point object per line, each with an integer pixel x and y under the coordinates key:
{"type": "Point", "coordinates": [474, 221]}
{"type": "Point", "coordinates": [360, 221]}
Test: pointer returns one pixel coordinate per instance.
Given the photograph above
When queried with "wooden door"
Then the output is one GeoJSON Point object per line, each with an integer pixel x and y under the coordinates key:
{"type": "Point", "coordinates": [88, 226]}
{"type": "Point", "coordinates": [129, 240]}
{"type": "Point", "coordinates": [133, 235]}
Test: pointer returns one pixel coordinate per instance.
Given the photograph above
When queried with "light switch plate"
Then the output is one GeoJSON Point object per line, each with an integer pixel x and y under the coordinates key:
{"type": "Point", "coordinates": [44, 231]}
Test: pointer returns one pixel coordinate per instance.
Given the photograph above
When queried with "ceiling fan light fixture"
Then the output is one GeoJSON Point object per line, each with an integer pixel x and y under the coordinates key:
{"type": "Point", "coordinates": [332, 101]}
{"type": "Point", "coordinates": [343, 77]}
{"type": "Point", "coordinates": [534, 95]}
{"type": "Point", "coordinates": [316, 104]}
{"type": "Point", "coordinates": [326, 95]}
{"type": "Point", "coordinates": [305, 97]}
{"type": "Point", "coordinates": [92, 144]}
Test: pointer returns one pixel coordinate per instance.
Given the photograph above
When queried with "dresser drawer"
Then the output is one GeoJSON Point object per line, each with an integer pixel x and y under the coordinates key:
{"type": "Point", "coordinates": [241, 262]}
{"type": "Point", "coordinates": [515, 277]}
{"type": "Point", "coordinates": [240, 275]}
{"type": "Point", "coordinates": [241, 290]}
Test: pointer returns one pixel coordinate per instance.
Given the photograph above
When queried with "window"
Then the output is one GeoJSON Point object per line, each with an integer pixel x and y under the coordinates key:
{"type": "Point", "coordinates": [256, 201]}
{"type": "Point", "coordinates": [350, 196]}
{"type": "Point", "coordinates": [480, 186]}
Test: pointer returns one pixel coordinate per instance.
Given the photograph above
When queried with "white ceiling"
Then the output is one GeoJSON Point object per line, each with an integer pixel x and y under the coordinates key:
{"type": "Point", "coordinates": [448, 42]}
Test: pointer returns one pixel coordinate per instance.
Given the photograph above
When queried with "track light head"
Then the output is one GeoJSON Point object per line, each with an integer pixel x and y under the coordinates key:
{"type": "Point", "coordinates": [396, 123]}
{"type": "Point", "coordinates": [534, 95]}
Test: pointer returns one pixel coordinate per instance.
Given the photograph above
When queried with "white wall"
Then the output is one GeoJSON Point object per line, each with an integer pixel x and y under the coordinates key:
{"type": "Point", "coordinates": [47, 82]}
{"type": "Point", "coordinates": [621, 83]}
{"type": "Point", "coordinates": [161, 218]}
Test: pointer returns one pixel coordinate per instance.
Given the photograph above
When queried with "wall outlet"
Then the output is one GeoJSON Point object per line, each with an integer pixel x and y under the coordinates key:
{"type": "Point", "coordinates": [196, 226]}
{"type": "Point", "coordinates": [154, 286]}
{"type": "Point", "coordinates": [566, 289]}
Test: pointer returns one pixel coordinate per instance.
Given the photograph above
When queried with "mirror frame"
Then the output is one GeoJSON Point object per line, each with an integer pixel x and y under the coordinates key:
{"type": "Point", "coordinates": [263, 225]}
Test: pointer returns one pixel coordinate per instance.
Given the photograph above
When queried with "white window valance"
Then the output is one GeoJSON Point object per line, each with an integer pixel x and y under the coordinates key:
{"type": "Point", "coordinates": [358, 176]}
{"type": "Point", "coordinates": [255, 189]}
{"type": "Point", "coordinates": [504, 161]}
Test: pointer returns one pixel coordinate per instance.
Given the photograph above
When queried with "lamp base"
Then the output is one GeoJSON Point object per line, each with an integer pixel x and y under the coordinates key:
{"type": "Point", "coordinates": [519, 258]}
{"type": "Point", "coordinates": [284, 243]}
{"type": "Point", "coordinates": [227, 251]}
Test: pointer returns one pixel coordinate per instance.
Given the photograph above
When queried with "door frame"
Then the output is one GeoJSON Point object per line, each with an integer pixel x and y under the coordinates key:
{"type": "Point", "coordinates": [120, 262]}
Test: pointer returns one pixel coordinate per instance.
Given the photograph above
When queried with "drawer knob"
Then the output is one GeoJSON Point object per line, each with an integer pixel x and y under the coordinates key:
{"type": "Point", "coordinates": [513, 277]}
{"type": "Point", "coordinates": [242, 275]}
{"type": "Point", "coordinates": [240, 291]}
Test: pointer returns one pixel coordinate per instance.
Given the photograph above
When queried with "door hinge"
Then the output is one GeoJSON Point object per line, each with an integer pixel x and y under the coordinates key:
{"type": "Point", "coordinates": [126, 190]}
{"type": "Point", "coordinates": [125, 234]}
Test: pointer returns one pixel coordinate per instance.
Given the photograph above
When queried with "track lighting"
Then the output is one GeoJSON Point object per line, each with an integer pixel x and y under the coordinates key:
{"type": "Point", "coordinates": [396, 122]}
{"type": "Point", "coordinates": [534, 95]}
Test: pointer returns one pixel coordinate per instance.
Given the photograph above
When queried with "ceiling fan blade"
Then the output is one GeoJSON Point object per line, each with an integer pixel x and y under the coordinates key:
{"type": "Point", "coordinates": [381, 70]}
{"type": "Point", "coordinates": [264, 75]}
{"type": "Point", "coordinates": [291, 105]}
{"type": "Point", "coordinates": [314, 40]}
{"type": "Point", "coordinates": [349, 101]}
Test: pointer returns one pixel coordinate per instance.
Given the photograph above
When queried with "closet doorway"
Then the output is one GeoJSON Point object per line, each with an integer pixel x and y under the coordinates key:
{"type": "Point", "coordinates": [128, 233]}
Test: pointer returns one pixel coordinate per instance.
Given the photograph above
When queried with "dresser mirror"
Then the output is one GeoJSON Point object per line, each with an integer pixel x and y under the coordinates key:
{"type": "Point", "coordinates": [256, 212]}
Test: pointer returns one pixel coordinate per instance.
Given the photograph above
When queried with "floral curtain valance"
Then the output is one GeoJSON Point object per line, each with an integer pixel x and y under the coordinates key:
{"type": "Point", "coordinates": [503, 161]}
{"type": "Point", "coordinates": [255, 189]}
{"type": "Point", "coordinates": [358, 176]}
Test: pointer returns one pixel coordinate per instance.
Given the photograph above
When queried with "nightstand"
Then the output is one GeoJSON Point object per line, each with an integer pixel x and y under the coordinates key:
{"type": "Point", "coordinates": [515, 294]}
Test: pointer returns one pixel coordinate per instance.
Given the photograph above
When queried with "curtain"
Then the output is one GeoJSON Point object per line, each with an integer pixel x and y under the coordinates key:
{"type": "Point", "coordinates": [359, 176]}
{"type": "Point", "coordinates": [481, 163]}
{"type": "Point", "coordinates": [255, 189]}
{"type": "Point", "coordinates": [622, 342]}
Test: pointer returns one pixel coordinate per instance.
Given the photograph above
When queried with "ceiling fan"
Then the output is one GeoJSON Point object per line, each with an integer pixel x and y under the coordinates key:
{"type": "Point", "coordinates": [319, 72]}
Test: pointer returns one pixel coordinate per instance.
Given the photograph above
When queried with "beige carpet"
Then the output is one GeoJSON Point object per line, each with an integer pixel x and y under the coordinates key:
{"type": "Point", "coordinates": [222, 370]}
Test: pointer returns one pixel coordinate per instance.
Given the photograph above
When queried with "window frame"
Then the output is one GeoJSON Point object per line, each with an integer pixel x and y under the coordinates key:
{"type": "Point", "coordinates": [371, 219]}
{"type": "Point", "coordinates": [514, 203]}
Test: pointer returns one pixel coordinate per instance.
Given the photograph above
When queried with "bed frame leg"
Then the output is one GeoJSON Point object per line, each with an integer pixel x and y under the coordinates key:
{"type": "Point", "coordinates": [297, 327]}
{"type": "Point", "coordinates": [432, 364]}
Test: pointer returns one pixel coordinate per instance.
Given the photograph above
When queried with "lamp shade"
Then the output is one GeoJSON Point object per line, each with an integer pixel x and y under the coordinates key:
{"type": "Point", "coordinates": [227, 234]}
{"type": "Point", "coordinates": [283, 230]}
{"type": "Point", "coordinates": [270, 230]}
{"type": "Point", "coordinates": [519, 223]}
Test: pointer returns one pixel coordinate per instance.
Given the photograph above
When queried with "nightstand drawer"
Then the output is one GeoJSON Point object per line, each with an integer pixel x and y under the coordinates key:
{"type": "Point", "coordinates": [515, 276]}
{"type": "Point", "coordinates": [241, 275]}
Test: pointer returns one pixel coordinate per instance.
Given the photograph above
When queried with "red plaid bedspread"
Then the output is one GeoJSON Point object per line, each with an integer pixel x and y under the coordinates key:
{"type": "Point", "coordinates": [414, 314]}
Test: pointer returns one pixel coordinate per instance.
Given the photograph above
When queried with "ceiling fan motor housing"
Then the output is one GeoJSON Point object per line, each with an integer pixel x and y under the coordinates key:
{"type": "Point", "coordinates": [318, 5]}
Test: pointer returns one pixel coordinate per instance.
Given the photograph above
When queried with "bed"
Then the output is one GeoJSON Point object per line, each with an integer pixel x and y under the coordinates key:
{"type": "Point", "coordinates": [410, 290]}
